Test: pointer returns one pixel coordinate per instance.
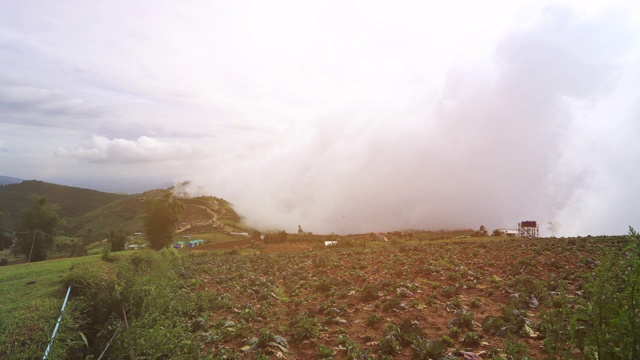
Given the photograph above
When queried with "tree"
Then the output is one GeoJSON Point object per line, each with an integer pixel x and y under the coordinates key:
{"type": "Point", "coordinates": [160, 220]}
{"type": "Point", "coordinates": [117, 239]}
{"type": "Point", "coordinates": [482, 232]}
{"type": "Point", "coordinates": [5, 238]}
{"type": "Point", "coordinates": [36, 229]}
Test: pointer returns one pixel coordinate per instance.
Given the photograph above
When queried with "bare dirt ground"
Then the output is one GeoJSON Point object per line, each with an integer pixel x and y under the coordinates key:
{"type": "Point", "coordinates": [358, 293]}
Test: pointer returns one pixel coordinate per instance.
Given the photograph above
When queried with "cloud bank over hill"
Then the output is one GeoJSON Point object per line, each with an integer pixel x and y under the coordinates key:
{"type": "Point", "coordinates": [338, 116]}
{"type": "Point", "coordinates": [497, 145]}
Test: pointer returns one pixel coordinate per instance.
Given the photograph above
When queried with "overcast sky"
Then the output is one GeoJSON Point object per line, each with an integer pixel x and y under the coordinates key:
{"type": "Point", "coordinates": [340, 116]}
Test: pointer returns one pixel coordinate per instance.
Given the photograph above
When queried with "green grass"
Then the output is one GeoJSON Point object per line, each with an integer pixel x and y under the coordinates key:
{"type": "Point", "coordinates": [28, 312]}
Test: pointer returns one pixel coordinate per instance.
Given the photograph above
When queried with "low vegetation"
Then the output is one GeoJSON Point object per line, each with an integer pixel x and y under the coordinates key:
{"type": "Point", "coordinates": [361, 299]}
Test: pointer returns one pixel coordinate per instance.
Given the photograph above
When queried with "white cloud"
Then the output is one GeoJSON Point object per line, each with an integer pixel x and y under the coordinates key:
{"type": "Point", "coordinates": [416, 114]}
{"type": "Point", "coordinates": [121, 151]}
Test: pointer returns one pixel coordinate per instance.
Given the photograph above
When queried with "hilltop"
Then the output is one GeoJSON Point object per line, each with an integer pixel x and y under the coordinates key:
{"type": "Point", "coordinates": [201, 214]}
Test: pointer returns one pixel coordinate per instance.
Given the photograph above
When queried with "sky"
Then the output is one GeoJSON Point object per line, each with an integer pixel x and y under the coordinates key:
{"type": "Point", "coordinates": [339, 116]}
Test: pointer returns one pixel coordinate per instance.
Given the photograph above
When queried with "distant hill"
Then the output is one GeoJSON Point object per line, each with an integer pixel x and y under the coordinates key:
{"type": "Point", "coordinates": [201, 214]}
{"type": "Point", "coordinates": [73, 202]}
{"type": "Point", "coordinates": [5, 180]}
{"type": "Point", "coordinates": [91, 214]}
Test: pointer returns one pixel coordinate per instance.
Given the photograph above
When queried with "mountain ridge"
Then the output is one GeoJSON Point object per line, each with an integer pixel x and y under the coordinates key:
{"type": "Point", "coordinates": [6, 180]}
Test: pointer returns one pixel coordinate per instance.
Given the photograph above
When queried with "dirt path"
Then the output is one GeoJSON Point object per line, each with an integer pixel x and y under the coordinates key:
{"type": "Point", "coordinates": [214, 219]}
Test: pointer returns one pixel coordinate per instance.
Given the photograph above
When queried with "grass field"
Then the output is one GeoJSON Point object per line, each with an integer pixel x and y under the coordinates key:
{"type": "Point", "coordinates": [28, 312]}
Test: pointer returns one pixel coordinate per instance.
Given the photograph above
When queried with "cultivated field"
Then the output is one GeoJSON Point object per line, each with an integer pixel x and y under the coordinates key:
{"type": "Point", "coordinates": [458, 298]}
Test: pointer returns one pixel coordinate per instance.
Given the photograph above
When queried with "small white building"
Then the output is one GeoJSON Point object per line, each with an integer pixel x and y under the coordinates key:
{"type": "Point", "coordinates": [508, 232]}
{"type": "Point", "coordinates": [239, 234]}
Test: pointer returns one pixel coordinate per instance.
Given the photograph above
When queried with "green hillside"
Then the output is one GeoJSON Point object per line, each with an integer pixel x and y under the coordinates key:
{"type": "Point", "coordinates": [201, 213]}
{"type": "Point", "coordinates": [73, 202]}
{"type": "Point", "coordinates": [91, 214]}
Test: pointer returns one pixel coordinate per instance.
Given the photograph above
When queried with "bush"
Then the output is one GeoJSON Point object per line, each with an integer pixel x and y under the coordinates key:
{"type": "Point", "coordinates": [610, 319]}
{"type": "Point", "coordinates": [146, 289]}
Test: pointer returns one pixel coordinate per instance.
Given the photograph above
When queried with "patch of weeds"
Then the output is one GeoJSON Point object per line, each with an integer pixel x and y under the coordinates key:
{"type": "Point", "coordinates": [454, 276]}
{"type": "Point", "coordinates": [431, 300]}
{"type": "Point", "coordinates": [369, 293]}
{"type": "Point", "coordinates": [373, 320]}
{"type": "Point", "coordinates": [454, 332]}
{"type": "Point", "coordinates": [352, 349]}
{"type": "Point", "coordinates": [449, 342]}
{"type": "Point", "coordinates": [515, 350]}
{"type": "Point", "coordinates": [450, 291]}
{"type": "Point", "coordinates": [555, 325]}
{"type": "Point", "coordinates": [428, 349]}
{"type": "Point", "coordinates": [303, 327]}
{"type": "Point", "coordinates": [405, 332]}
{"type": "Point", "coordinates": [463, 320]}
{"type": "Point", "coordinates": [389, 346]}
{"type": "Point", "coordinates": [392, 304]}
{"type": "Point", "coordinates": [471, 339]}
{"type": "Point", "coordinates": [512, 321]}
{"type": "Point", "coordinates": [266, 343]}
{"type": "Point", "coordinates": [325, 352]}
{"type": "Point", "coordinates": [475, 303]}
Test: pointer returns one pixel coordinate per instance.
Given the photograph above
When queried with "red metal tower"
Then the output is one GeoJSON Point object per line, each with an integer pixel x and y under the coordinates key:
{"type": "Point", "coordinates": [528, 229]}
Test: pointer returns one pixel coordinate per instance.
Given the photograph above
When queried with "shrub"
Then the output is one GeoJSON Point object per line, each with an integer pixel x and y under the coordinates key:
{"type": "Point", "coordinates": [147, 290]}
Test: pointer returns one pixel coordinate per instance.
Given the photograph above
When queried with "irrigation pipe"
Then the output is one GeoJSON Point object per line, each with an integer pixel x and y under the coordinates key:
{"type": "Point", "coordinates": [35, 232]}
{"type": "Point", "coordinates": [55, 330]}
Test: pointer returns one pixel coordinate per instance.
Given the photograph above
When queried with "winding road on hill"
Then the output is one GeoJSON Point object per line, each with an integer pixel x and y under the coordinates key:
{"type": "Point", "coordinates": [214, 218]}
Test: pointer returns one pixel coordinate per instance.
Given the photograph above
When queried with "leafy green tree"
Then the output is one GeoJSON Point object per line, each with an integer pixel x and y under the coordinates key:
{"type": "Point", "coordinates": [117, 239]}
{"type": "Point", "coordinates": [37, 226]}
{"type": "Point", "coordinates": [5, 239]}
{"type": "Point", "coordinates": [160, 220]}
